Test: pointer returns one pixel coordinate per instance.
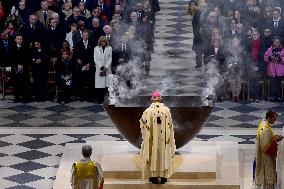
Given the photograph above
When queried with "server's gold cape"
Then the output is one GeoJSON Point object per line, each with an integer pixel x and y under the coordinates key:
{"type": "Point", "coordinates": [265, 154]}
{"type": "Point", "coordinates": [86, 174]}
{"type": "Point", "coordinates": [158, 145]}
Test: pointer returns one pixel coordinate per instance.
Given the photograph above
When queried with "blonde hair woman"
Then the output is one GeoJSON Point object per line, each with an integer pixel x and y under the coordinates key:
{"type": "Point", "coordinates": [103, 61]}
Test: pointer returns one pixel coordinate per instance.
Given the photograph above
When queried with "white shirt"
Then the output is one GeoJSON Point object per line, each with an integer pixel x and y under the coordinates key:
{"type": "Point", "coordinates": [216, 50]}
{"type": "Point", "coordinates": [123, 47]}
{"type": "Point", "coordinates": [85, 44]}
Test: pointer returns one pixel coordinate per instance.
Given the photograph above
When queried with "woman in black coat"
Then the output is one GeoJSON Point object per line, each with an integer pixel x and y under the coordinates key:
{"type": "Point", "coordinates": [39, 70]}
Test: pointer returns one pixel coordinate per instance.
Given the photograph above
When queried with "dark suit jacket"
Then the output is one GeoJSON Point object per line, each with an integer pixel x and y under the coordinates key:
{"type": "Point", "coordinates": [31, 35]}
{"type": "Point", "coordinates": [119, 56]}
{"type": "Point", "coordinates": [89, 22]}
{"type": "Point", "coordinates": [5, 53]}
{"type": "Point", "coordinates": [55, 38]}
{"type": "Point", "coordinates": [210, 53]}
{"type": "Point", "coordinates": [77, 37]}
{"type": "Point", "coordinates": [106, 11]}
{"type": "Point", "coordinates": [97, 33]}
{"type": "Point", "coordinates": [20, 56]}
{"type": "Point", "coordinates": [63, 69]}
{"type": "Point", "coordinates": [280, 29]}
{"type": "Point", "coordinates": [86, 55]}
{"type": "Point", "coordinates": [71, 19]}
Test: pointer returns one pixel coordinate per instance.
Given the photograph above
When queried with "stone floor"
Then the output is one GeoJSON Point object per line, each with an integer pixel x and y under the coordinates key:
{"type": "Point", "coordinates": [32, 136]}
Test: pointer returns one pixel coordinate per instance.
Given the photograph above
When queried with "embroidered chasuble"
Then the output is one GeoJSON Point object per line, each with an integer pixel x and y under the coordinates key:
{"type": "Point", "coordinates": [158, 143]}
{"type": "Point", "coordinates": [265, 155]}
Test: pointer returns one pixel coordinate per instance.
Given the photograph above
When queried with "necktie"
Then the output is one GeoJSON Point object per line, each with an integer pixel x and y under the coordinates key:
{"type": "Point", "coordinates": [6, 45]}
{"type": "Point", "coordinates": [275, 24]}
{"type": "Point", "coordinates": [86, 44]}
{"type": "Point", "coordinates": [19, 46]}
{"type": "Point", "coordinates": [45, 17]}
{"type": "Point", "coordinates": [122, 47]}
{"type": "Point", "coordinates": [33, 27]}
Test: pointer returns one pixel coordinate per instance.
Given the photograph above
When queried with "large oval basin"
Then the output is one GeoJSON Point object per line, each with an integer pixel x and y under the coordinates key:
{"type": "Point", "coordinates": [188, 116]}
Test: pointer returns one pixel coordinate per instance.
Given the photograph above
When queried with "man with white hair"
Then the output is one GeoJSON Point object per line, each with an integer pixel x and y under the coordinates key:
{"type": "Point", "coordinates": [98, 31]}
{"type": "Point", "coordinates": [107, 30]}
{"type": "Point", "coordinates": [87, 174]}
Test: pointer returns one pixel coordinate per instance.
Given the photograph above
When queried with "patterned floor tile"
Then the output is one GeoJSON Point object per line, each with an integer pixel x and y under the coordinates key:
{"type": "Point", "coordinates": [43, 105]}
{"type": "Point", "coordinates": [7, 184]}
{"type": "Point", "coordinates": [7, 171]}
{"type": "Point", "coordinates": [36, 122]}
{"type": "Point", "coordinates": [15, 139]}
{"type": "Point", "coordinates": [244, 109]}
{"type": "Point", "coordinates": [74, 122]}
{"type": "Point", "coordinates": [59, 108]}
{"type": "Point", "coordinates": [77, 113]}
{"type": "Point", "coordinates": [41, 113]}
{"type": "Point", "coordinates": [35, 144]}
{"type": "Point", "coordinates": [23, 178]}
{"type": "Point", "coordinates": [244, 118]}
{"type": "Point", "coordinates": [10, 160]}
{"type": "Point", "coordinates": [28, 166]}
{"type": "Point", "coordinates": [19, 117]}
{"type": "Point", "coordinates": [57, 117]}
{"type": "Point", "coordinates": [21, 187]}
{"type": "Point", "coordinates": [23, 108]}
{"type": "Point", "coordinates": [58, 139]}
{"type": "Point", "coordinates": [42, 184]}
{"type": "Point", "coordinates": [31, 155]}
{"type": "Point", "coordinates": [4, 121]}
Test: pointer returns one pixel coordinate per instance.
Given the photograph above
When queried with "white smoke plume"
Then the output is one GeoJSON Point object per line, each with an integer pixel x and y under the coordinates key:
{"type": "Point", "coordinates": [126, 83]}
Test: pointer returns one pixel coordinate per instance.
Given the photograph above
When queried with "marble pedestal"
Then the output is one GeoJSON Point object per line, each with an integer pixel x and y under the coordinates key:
{"type": "Point", "coordinates": [197, 165]}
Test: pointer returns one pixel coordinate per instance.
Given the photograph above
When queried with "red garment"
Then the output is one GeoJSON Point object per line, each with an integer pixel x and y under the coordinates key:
{"type": "Point", "coordinates": [255, 48]}
{"type": "Point", "coordinates": [108, 3]}
{"type": "Point", "coordinates": [1, 11]}
{"type": "Point", "coordinates": [272, 150]}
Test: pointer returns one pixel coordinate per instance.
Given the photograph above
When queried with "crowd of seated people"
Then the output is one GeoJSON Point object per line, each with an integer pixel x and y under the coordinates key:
{"type": "Point", "coordinates": [245, 39]}
{"type": "Point", "coordinates": [80, 42]}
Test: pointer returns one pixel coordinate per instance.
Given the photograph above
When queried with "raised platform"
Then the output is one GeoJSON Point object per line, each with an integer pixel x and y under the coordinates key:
{"type": "Point", "coordinates": [198, 165]}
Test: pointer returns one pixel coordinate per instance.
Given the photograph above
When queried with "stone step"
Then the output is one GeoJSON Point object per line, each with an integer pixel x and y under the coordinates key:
{"type": "Point", "coordinates": [171, 184]}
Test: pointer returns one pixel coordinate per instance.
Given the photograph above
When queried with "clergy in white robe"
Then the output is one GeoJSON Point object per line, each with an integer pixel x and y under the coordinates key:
{"type": "Point", "coordinates": [158, 145]}
{"type": "Point", "coordinates": [266, 153]}
{"type": "Point", "coordinates": [87, 174]}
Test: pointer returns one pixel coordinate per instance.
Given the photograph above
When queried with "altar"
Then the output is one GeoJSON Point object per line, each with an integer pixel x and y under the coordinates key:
{"type": "Point", "coordinates": [197, 165]}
